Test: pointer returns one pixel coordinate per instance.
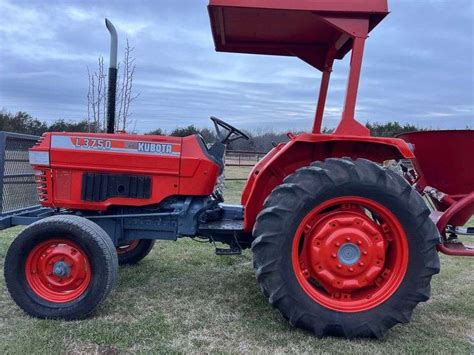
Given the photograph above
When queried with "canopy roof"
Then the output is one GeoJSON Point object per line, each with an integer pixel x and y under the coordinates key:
{"type": "Point", "coordinates": [309, 29]}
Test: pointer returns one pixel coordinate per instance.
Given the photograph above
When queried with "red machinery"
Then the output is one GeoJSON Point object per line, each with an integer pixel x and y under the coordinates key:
{"type": "Point", "coordinates": [452, 194]}
{"type": "Point", "coordinates": [341, 245]}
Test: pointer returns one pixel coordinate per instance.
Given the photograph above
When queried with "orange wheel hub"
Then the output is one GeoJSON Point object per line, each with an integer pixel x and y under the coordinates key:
{"type": "Point", "coordinates": [58, 270]}
{"type": "Point", "coordinates": [350, 254]}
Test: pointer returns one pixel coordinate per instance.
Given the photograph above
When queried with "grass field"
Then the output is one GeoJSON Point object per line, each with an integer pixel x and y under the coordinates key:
{"type": "Point", "coordinates": [183, 298]}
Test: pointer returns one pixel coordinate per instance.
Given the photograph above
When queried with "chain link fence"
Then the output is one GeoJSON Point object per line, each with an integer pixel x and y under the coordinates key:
{"type": "Point", "coordinates": [18, 187]}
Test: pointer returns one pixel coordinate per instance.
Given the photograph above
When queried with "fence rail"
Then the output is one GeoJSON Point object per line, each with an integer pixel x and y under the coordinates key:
{"type": "Point", "coordinates": [243, 159]}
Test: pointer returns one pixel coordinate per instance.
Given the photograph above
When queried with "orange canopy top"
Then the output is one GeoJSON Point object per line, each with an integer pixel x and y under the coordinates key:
{"type": "Point", "coordinates": [309, 29]}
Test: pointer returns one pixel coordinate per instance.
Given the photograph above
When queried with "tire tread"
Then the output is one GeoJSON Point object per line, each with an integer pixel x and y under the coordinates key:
{"type": "Point", "coordinates": [309, 182]}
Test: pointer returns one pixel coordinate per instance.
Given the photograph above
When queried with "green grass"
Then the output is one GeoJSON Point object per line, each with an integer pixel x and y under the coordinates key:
{"type": "Point", "coordinates": [183, 298]}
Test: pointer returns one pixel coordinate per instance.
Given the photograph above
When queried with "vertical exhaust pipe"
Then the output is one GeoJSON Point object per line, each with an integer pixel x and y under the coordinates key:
{"type": "Point", "coordinates": [112, 87]}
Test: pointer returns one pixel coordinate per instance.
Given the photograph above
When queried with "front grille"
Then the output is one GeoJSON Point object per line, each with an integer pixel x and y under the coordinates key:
{"type": "Point", "coordinates": [40, 140]}
{"type": "Point", "coordinates": [42, 182]}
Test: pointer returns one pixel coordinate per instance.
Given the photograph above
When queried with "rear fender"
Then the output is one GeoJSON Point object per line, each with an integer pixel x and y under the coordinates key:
{"type": "Point", "coordinates": [304, 149]}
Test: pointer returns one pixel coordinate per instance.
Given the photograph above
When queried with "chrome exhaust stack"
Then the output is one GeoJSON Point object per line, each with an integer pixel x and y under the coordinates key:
{"type": "Point", "coordinates": [112, 86]}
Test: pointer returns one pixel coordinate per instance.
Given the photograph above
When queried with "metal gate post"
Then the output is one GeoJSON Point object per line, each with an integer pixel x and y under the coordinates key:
{"type": "Point", "coordinates": [3, 138]}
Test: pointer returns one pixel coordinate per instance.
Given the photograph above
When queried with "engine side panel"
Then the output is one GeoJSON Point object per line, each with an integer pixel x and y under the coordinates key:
{"type": "Point", "coordinates": [143, 170]}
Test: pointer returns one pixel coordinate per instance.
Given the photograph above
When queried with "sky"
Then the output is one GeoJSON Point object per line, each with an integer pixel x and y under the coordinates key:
{"type": "Point", "coordinates": [418, 67]}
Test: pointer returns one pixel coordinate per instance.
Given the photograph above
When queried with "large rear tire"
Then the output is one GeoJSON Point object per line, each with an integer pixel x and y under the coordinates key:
{"type": "Point", "coordinates": [345, 248]}
{"type": "Point", "coordinates": [61, 267]}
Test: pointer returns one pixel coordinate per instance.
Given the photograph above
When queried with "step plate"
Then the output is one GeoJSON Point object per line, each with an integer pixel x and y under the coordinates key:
{"type": "Point", "coordinates": [224, 225]}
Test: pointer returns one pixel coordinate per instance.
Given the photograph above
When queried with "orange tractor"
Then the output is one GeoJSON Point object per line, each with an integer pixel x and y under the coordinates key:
{"type": "Point", "coordinates": [341, 244]}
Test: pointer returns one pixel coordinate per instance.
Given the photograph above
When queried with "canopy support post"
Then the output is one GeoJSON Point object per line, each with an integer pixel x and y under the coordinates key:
{"type": "Point", "coordinates": [348, 124]}
{"type": "Point", "coordinates": [323, 91]}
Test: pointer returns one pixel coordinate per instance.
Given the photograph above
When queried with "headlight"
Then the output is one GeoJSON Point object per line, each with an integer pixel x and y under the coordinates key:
{"type": "Point", "coordinates": [38, 157]}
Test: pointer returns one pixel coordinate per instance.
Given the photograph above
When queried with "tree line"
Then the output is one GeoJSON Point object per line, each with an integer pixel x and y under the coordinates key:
{"type": "Point", "coordinates": [260, 141]}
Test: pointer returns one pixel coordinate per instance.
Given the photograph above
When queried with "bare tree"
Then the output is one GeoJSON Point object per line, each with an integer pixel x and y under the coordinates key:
{"type": "Point", "coordinates": [97, 94]}
{"type": "Point", "coordinates": [96, 97]}
{"type": "Point", "coordinates": [125, 93]}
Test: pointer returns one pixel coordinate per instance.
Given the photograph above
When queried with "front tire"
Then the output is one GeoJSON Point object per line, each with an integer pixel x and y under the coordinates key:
{"type": "Point", "coordinates": [61, 267]}
{"type": "Point", "coordinates": [345, 248]}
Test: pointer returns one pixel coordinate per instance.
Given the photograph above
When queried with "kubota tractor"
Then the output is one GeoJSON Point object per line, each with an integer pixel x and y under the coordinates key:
{"type": "Point", "coordinates": [341, 245]}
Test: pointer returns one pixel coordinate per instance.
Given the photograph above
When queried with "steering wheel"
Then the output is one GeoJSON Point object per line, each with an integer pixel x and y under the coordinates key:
{"type": "Point", "coordinates": [231, 133]}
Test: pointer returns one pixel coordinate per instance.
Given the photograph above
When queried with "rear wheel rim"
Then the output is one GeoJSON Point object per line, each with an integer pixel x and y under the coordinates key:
{"type": "Point", "coordinates": [128, 247]}
{"type": "Point", "coordinates": [350, 254]}
{"type": "Point", "coordinates": [58, 270]}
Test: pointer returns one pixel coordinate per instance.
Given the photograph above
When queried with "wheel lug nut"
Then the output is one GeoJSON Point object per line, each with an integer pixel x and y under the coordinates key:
{"type": "Point", "coordinates": [338, 244]}
{"type": "Point", "coordinates": [348, 239]}
{"type": "Point", "coordinates": [361, 264]}
{"type": "Point", "coordinates": [351, 269]}
{"type": "Point", "coordinates": [359, 242]}
{"type": "Point", "coordinates": [339, 266]}
{"type": "Point", "coordinates": [364, 252]}
{"type": "Point", "coordinates": [333, 255]}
